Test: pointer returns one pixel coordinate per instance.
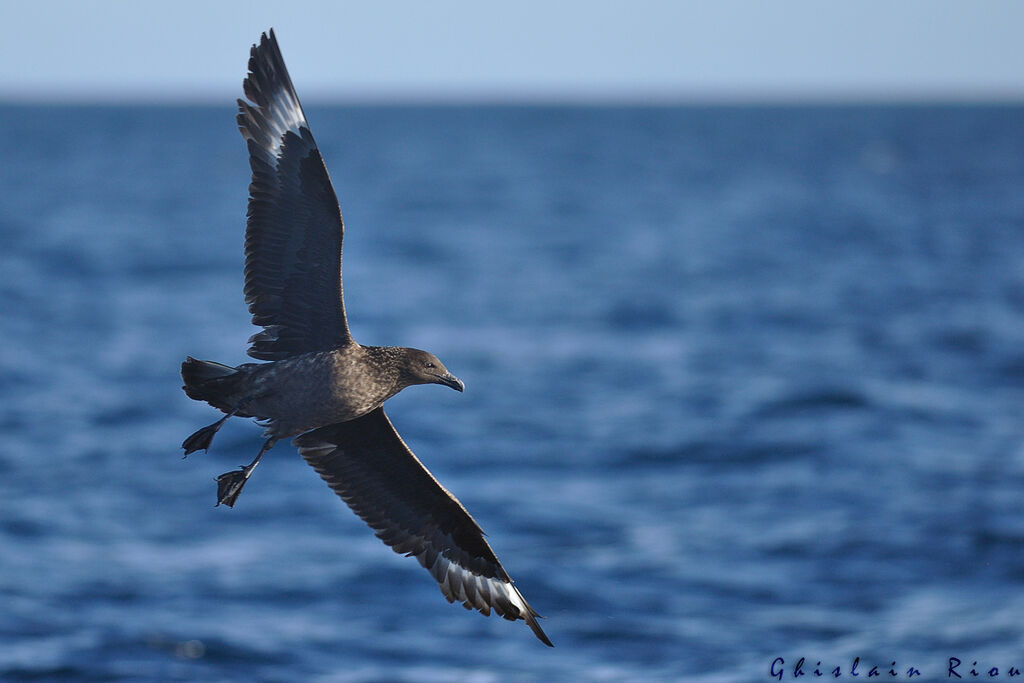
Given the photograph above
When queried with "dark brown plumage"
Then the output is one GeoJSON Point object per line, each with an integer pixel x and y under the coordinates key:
{"type": "Point", "coordinates": [366, 462]}
{"type": "Point", "coordinates": [321, 384]}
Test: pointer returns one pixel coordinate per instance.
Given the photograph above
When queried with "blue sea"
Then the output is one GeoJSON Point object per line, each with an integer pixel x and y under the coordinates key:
{"type": "Point", "coordinates": [744, 385]}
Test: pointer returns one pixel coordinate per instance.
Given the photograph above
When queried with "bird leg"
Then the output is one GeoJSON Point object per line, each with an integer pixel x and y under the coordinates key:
{"type": "Point", "coordinates": [230, 484]}
{"type": "Point", "coordinates": [200, 440]}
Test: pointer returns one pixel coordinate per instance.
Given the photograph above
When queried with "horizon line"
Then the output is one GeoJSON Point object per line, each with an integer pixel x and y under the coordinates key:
{"type": "Point", "coordinates": [536, 97]}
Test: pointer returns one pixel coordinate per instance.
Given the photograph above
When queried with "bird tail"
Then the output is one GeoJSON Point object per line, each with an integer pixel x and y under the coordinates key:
{"type": "Point", "coordinates": [215, 383]}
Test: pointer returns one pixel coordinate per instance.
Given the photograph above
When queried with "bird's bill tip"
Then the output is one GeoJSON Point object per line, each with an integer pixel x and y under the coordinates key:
{"type": "Point", "coordinates": [450, 380]}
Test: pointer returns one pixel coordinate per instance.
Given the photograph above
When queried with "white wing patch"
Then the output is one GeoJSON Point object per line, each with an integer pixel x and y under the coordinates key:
{"type": "Point", "coordinates": [282, 114]}
{"type": "Point", "coordinates": [285, 115]}
{"type": "Point", "coordinates": [475, 591]}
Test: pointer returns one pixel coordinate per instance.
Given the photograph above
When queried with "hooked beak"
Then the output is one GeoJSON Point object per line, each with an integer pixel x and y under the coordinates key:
{"type": "Point", "coordinates": [450, 380]}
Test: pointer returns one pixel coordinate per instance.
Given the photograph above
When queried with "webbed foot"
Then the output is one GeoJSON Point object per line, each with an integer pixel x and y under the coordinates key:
{"type": "Point", "coordinates": [229, 485]}
{"type": "Point", "coordinates": [200, 439]}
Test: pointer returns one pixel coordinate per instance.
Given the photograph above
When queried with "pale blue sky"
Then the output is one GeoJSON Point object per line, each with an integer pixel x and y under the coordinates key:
{"type": "Point", "coordinates": [193, 50]}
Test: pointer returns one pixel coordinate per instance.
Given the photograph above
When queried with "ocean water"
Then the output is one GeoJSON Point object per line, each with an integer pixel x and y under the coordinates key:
{"type": "Point", "coordinates": [742, 384]}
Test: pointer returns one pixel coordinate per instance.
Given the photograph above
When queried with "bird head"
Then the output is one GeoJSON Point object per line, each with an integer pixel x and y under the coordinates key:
{"type": "Point", "coordinates": [422, 367]}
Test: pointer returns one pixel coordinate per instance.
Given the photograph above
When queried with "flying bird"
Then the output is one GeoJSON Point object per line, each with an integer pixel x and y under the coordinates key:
{"type": "Point", "coordinates": [320, 385]}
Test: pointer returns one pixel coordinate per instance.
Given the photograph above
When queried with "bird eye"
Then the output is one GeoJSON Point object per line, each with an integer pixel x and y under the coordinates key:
{"type": "Point", "coordinates": [429, 365]}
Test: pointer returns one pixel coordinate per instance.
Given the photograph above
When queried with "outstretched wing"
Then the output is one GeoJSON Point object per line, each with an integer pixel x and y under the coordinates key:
{"type": "Point", "coordinates": [366, 462]}
{"type": "Point", "coordinates": [294, 229]}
